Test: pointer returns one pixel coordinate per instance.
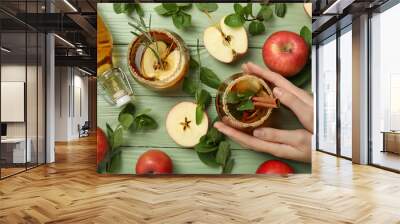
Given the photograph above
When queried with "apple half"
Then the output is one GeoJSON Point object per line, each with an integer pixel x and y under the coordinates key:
{"type": "Point", "coordinates": [225, 43]}
{"type": "Point", "coordinates": [181, 125]}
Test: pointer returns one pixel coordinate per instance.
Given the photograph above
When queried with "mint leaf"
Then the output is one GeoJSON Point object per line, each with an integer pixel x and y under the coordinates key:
{"type": "Point", "coordinates": [232, 98]}
{"type": "Point", "coordinates": [117, 138]}
{"type": "Point", "coordinates": [170, 7]}
{"type": "Point", "coordinates": [203, 97]}
{"type": "Point", "coordinates": [305, 32]}
{"type": "Point", "coordinates": [208, 159]}
{"type": "Point", "coordinates": [246, 105]}
{"type": "Point", "coordinates": [126, 120]}
{"type": "Point", "coordinates": [265, 13]}
{"type": "Point", "coordinates": [214, 136]}
{"type": "Point", "coordinates": [160, 10]}
{"type": "Point", "coordinates": [208, 77]}
{"type": "Point", "coordinates": [280, 9]}
{"type": "Point", "coordinates": [119, 8]}
{"type": "Point", "coordinates": [223, 153]}
{"type": "Point", "coordinates": [145, 122]}
{"type": "Point", "coordinates": [199, 114]}
{"type": "Point", "coordinates": [248, 9]}
{"type": "Point", "coordinates": [234, 20]}
{"type": "Point", "coordinates": [256, 28]}
{"type": "Point", "coordinates": [239, 10]}
{"type": "Point", "coordinates": [182, 20]}
{"type": "Point", "coordinates": [207, 7]}
{"type": "Point", "coordinates": [229, 166]}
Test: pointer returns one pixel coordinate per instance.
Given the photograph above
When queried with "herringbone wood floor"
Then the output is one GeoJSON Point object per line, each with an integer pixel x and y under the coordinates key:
{"type": "Point", "coordinates": [70, 191]}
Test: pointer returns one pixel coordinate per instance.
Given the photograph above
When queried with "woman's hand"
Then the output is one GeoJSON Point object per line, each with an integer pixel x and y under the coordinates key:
{"type": "Point", "coordinates": [288, 144]}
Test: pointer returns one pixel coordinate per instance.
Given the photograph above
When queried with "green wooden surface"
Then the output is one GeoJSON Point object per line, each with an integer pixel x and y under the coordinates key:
{"type": "Point", "coordinates": [186, 160]}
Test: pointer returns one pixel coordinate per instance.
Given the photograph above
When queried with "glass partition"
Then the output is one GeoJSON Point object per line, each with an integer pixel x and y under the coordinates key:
{"type": "Point", "coordinates": [327, 96]}
{"type": "Point", "coordinates": [385, 90]}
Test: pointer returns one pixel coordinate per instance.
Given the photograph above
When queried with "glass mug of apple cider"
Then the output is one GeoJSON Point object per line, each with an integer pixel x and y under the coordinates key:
{"type": "Point", "coordinates": [113, 82]}
{"type": "Point", "coordinates": [158, 59]}
{"type": "Point", "coordinates": [245, 101]}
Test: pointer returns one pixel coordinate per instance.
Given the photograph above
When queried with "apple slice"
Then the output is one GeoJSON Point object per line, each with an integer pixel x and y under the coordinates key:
{"type": "Point", "coordinates": [225, 43]}
{"type": "Point", "coordinates": [150, 65]}
{"type": "Point", "coordinates": [308, 9]}
{"type": "Point", "coordinates": [181, 124]}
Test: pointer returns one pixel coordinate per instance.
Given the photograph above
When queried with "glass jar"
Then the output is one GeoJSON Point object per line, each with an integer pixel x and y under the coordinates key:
{"type": "Point", "coordinates": [115, 87]}
{"type": "Point", "coordinates": [164, 69]}
{"type": "Point", "coordinates": [240, 84]}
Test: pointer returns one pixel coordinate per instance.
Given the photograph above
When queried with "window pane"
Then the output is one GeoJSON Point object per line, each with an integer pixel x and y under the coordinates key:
{"type": "Point", "coordinates": [385, 89]}
{"type": "Point", "coordinates": [327, 96]}
{"type": "Point", "coordinates": [346, 94]}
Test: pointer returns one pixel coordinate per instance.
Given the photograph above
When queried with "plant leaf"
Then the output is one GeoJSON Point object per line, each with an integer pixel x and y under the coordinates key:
{"type": "Point", "coordinates": [208, 159]}
{"type": "Point", "coordinates": [238, 9]}
{"type": "Point", "coordinates": [229, 166]}
{"type": "Point", "coordinates": [117, 138]}
{"type": "Point", "coordinates": [305, 32]}
{"type": "Point", "coordinates": [119, 7]}
{"type": "Point", "coordinates": [128, 109]}
{"type": "Point", "coordinates": [265, 13]}
{"type": "Point", "coordinates": [199, 114]}
{"type": "Point", "coordinates": [126, 120]}
{"type": "Point", "coordinates": [208, 77]}
{"type": "Point", "coordinates": [234, 20]}
{"type": "Point", "coordinates": [246, 105]}
{"type": "Point", "coordinates": [181, 20]}
{"type": "Point", "coordinates": [145, 122]}
{"type": "Point", "coordinates": [139, 9]}
{"type": "Point", "coordinates": [160, 10]}
{"type": "Point", "coordinates": [214, 136]}
{"type": "Point", "coordinates": [207, 7]}
{"type": "Point", "coordinates": [256, 28]}
{"type": "Point", "coordinates": [204, 148]}
{"type": "Point", "coordinates": [301, 78]}
{"type": "Point", "coordinates": [232, 98]}
{"type": "Point", "coordinates": [248, 9]}
{"type": "Point", "coordinates": [170, 7]}
{"type": "Point", "coordinates": [203, 98]}
{"type": "Point", "coordinates": [189, 86]}
{"type": "Point", "coordinates": [223, 153]}
{"type": "Point", "coordinates": [280, 9]}
{"type": "Point", "coordinates": [184, 6]}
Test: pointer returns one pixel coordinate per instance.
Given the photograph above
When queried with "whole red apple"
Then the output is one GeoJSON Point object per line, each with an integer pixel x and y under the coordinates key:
{"type": "Point", "coordinates": [286, 53]}
{"type": "Point", "coordinates": [154, 162]}
{"type": "Point", "coordinates": [274, 167]}
{"type": "Point", "coordinates": [102, 145]}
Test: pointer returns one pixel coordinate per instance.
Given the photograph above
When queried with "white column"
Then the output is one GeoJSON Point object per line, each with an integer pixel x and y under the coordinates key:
{"type": "Point", "coordinates": [360, 90]}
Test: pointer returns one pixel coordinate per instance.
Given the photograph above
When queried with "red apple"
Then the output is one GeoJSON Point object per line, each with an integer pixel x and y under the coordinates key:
{"type": "Point", "coordinates": [274, 167]}
{"type": "Point", "coordinates": [154, 162]}
{"type": "Point", "coordinates": [286, 53]}
{"type": "Point", "coordinates": [102, 145]}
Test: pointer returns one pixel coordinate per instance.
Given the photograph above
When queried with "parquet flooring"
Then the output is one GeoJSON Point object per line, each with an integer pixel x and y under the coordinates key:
{"type": "Point", "coordinates": [70, 191]}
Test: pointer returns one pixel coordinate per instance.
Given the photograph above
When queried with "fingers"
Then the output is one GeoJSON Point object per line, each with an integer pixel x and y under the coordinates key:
{"type": "Point", "coordinates": [275, 149]}
{"type": "Point", "coordinates": [303, 112]}
{"type": "Point", "coordinates": [278, 80]}
{"type": "Point", "coordinates": [289, 137]}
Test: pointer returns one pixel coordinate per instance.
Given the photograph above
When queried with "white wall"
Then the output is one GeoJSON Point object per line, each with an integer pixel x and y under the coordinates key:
{"type": "Point", "coordinates": [69, 82]}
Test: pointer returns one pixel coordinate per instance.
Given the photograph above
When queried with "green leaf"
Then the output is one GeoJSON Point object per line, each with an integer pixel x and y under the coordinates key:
{"type": "Point", "coordinates": [303, 77]}
{"type": "Point", "coordinates": [110, 134]}
{"type": "Point", "coordinates": [232, 98]}
{"type": "Point", "coordinates": [265, 13]}
{"type": "Point", "coordinates": [119, 8]}
{"type": "Point", "coordinates": [118, 138]}
{"type": "Point", "coordinates": [128, 109]}
{"type": "Point", "coordinates": [280, 9]}
{"type": "Point", "coordinates": [234, 20]}
{"type": "Point", "coordinates": [208, 159]}
{"type": "Point", "coordinates": [229, 166]}
{"type": "Point", "coordinates": [203, 98]}
{"type": "Point", "coordinates": [170, 7]}
{"type": "Point", "coordinates": [248, 9]}
{"type": "Point", "coordinates": [129, 8]}
{"type": "Point", "coordinates": [193, 64]}
{"type": "Point", "coordinates": [139, 9]}
{"type": "Point", "coordinates": [305, 32]}
{"type": "Point", "coordinates": [214, 136]}
{"type": "Point", "coordinates": [245, 95]}
{"type": "Point", "coordinates": [189, 85]}
{"type": "Point", "coordinates": [181, 20]}
{"type": "Point", "coordinates": [126, 120]}
{"type": "Point", "coordinates": [223, 153]}
{"type": "Point", "coordinates": [199, 114]}
{"type": "Point", "coordinates": [160, 10]}
{"type": "Point", "coordinates": [256, 28]}
{"type": "Point", "coordinates": [204, 148]}
{"type": "Point", "coordinates": [145, 122]}
{"type": "Point", "coordinates": [207, 7]}
{"type": "Point", "coordinates": [208, 77]}
{"type": "Point", "coordinates": [184, 6]}
{"type": "Point", "coordinates": [239, 10]}
{"type": "Point", "coordinates": [246, 105]}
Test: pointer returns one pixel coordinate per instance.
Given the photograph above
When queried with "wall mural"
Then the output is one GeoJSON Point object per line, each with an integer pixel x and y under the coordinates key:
{"type": "Point", "coordinates": [204, 88]}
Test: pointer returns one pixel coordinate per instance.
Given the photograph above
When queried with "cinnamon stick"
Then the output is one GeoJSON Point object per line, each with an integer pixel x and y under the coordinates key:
{"type": "Point", "coordinates": [265, 101]}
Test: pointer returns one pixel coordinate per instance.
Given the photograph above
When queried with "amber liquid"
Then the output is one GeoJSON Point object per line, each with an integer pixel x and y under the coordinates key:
{"type": "Point", "coordinates": [104, 47]}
